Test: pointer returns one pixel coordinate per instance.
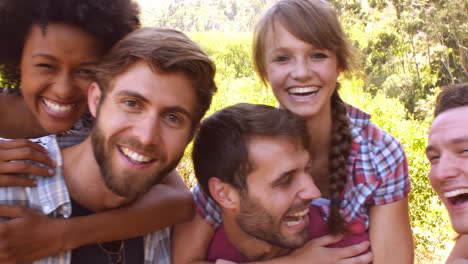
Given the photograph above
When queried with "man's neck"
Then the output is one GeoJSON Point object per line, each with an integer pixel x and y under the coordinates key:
{"type": "Point", "coordinates": [84, 181]}
{"type": "Point", "coordinates": [249, 246]}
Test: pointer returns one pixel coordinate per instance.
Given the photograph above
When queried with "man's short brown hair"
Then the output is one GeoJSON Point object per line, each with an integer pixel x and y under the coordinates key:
{"type": "Point", "coordinates": [164, 50]}
{"type": "Point", "coordinates": [451, 96]}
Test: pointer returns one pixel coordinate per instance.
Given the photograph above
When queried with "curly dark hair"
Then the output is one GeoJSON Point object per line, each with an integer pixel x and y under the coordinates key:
{"type": "Point", "coordinates": [107, 20]}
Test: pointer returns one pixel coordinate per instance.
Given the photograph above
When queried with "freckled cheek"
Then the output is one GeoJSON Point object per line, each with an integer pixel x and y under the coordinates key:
{"type": "Point", "coordinates": [275, 74]}
{"type": "Point", "coordinates": [277, 94]}
{"type": "Point", "coordinates": [329, 75]}
{"type": "Point", "coordinates": [277, 85]}
{"type": "Point", "coordinates": [281, 76]}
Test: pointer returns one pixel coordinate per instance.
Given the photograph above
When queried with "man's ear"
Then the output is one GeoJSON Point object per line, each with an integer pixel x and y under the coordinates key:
{"type": "Point", "coordinates": [94, 97]}
{"type": "Point", "coordinates": [224, 194]}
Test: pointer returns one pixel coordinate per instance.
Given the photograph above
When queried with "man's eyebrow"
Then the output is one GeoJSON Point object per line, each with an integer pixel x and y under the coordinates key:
{"type": "Point", "coordinates": [454, 141]}
{"type": "Point", "coordinates": [132, 94]}
{"type": "Point", "coordinates": [458, 140]}
{"type": "Point", "coordinates": [175, 108]}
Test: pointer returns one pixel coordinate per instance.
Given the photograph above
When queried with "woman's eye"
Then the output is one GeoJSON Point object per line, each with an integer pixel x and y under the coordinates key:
{"type": "Point", "coordinates": [44, 65]}
{"type": "Point", "coordinates": [281, 59]}
{"type": "Point", "coordinates": [319, 55]}
{"type": "Point", "coordinates": [87, 72]}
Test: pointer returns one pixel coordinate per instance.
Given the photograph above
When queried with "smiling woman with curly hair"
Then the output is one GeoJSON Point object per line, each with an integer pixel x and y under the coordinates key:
{"type": "Point", "coordinates": [49, 49]}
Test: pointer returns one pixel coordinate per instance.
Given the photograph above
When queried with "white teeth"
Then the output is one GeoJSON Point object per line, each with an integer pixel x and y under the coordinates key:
{"type": "Point", "coordinates": [455, 192]}
{"type": "Point", "coordinates": [302, 213]}
{"type": "Point", "coordinates": [57, 107]}
{"type": "Point", "coordinates": [299, 90]}
{"type": "Point", "coordinates": [135, 156]}
{"type": "Point", "coordinates": [294, 223]}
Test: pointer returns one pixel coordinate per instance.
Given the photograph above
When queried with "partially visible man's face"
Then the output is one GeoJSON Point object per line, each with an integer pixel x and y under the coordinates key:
{"type": "Point", "coordinates": [447, 151]}
{"type": "Point", "coordinates": [143, 126]}
{"type": "Point", "coordinates": [280, 188]}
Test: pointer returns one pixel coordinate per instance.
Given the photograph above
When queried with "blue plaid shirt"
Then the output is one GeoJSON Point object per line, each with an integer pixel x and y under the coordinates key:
{"type": "Point", "coordinates": [51, 197]}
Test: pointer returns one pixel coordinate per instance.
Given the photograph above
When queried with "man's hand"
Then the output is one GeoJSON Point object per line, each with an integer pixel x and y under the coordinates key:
{"type": "Point", "coordinates": [18, 151]}
{"type": "Point", "coordinates": [28, 235]}
{"type": "Point", "coordinates": [316, 252]}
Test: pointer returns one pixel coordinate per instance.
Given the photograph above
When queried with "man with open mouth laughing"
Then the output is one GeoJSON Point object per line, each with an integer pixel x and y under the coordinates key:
{"type": "Point", "coordinates": [152, 90]}
{"type": "Point", "coordinates": [253, 161]}
{"type": "Point", "coordinates": [447, 151]}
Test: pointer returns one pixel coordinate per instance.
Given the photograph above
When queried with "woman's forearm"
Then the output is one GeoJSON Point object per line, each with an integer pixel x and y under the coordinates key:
{"type": "Point", "coordinates": [391, 245]}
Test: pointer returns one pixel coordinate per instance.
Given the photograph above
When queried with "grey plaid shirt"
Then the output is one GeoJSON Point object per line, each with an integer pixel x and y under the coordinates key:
{"type": "Point", "coordinates": [51, 197]}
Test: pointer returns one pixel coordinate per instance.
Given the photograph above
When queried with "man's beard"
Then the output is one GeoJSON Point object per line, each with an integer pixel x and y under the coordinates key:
{"type": "Point", "coordinates": [122, 184]}
{"type": "Point", "coordinates": [256, 221]}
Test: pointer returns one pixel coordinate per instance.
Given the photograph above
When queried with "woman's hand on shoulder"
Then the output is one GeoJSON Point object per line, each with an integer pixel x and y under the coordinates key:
{"type": "Point", "coordinates": [15, 155]}
{"type": "Point", "coordinates": [28, 235]}
{"type": "Point", "coordinates": [316, 251]}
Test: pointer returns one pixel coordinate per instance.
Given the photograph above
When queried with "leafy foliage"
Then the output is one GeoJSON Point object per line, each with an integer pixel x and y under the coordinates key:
{"type": "Point", "coordinates": [199, 15]}
{"type": "Point", "coordinates": [410, 46]}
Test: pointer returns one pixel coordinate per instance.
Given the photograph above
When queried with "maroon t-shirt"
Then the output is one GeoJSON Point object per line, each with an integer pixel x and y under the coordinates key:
{"type": "Point", "coordinates": [221, 247]}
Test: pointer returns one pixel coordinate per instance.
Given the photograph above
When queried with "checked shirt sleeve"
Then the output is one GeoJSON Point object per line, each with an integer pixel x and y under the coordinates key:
{"type": "Point", "coordinates": [391, 170]}
{"type": "Point", "coordinates": [207, 207]}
